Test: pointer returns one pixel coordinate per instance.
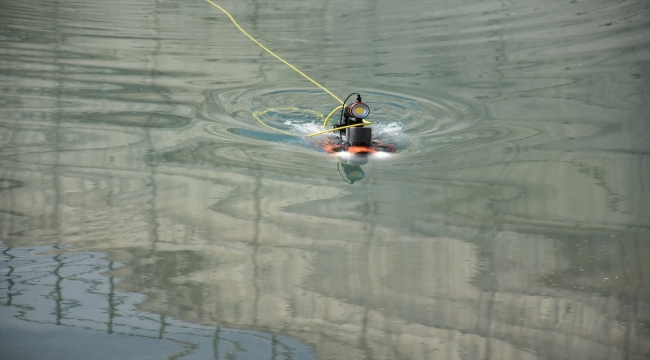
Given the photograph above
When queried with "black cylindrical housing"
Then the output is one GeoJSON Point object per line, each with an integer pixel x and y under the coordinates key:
{"type": "Point", "coordinates": [359, 136]}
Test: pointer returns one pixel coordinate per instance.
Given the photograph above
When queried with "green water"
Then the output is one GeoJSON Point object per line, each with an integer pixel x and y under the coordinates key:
{"type": "Point", "coordinates": [145, 213]}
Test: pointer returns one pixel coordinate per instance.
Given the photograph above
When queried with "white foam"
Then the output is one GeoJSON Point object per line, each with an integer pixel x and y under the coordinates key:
{"type": "Point", "coordinates": [381, 130]}
{"type": "Point", "coordinates": [389, 129]}
{"type": "Point", "coordinates": [303, 128]}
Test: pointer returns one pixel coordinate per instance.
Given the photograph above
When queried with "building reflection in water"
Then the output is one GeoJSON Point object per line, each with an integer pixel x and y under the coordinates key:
{"type": "Point", "coordinates": [236, 245]}
{"type": "Point", "coordinates": [377, 271]}
{"type": "Point", "coordinates": [231, 250]}
{"type": "Point", "coordinates": [42, 285]}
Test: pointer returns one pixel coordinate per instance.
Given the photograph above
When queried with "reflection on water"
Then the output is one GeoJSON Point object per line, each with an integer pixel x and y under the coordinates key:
{"type": "Point", "coordinates": [79, 291]}
{"type": "Point", "coordinates": [140, 199]}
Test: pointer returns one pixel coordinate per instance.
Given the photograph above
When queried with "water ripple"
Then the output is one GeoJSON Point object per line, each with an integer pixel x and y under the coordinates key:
{"type": "Point", "coordinates": [408, 122]}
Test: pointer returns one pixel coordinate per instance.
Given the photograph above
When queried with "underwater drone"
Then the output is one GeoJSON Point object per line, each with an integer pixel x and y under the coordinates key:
{"type": "Point", "coordinates": [354, 114]}
{"type": "Point", "coordinates": [355, 141]}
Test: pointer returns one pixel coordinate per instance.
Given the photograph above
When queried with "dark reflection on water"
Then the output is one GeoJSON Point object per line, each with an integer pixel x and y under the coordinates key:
{"type": "Point", "coordinates": [140, 199]}
{"type": "Point", "coordinates": [79, 292]}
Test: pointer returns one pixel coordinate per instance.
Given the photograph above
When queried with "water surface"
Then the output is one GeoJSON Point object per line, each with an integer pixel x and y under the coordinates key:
{"type": "Point", "coordinates": [145, 213]}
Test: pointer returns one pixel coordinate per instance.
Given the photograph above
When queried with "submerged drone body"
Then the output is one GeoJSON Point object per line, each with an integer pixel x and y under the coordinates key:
{"type": "Point", "coordinates": [354, 142]}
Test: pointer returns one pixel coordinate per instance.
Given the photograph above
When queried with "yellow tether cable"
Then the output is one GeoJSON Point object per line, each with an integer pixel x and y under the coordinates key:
{"type": "Point", "coordinates": [339, 128]}
{"type": "Point", "coordinates": [330, 115]}
{"type": "Point", "coordinates": [272, 53]}
{"type": "Point", "coordinates": [258, 113]}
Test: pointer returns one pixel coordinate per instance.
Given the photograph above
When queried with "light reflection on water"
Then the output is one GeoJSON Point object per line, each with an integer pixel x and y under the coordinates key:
{"type": "Point", "coordinates": [512, 223]}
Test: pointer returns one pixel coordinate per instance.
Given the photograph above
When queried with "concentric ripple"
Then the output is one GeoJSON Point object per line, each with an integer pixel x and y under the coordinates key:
{"type": "Point", "coordinates": [409, 123]}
